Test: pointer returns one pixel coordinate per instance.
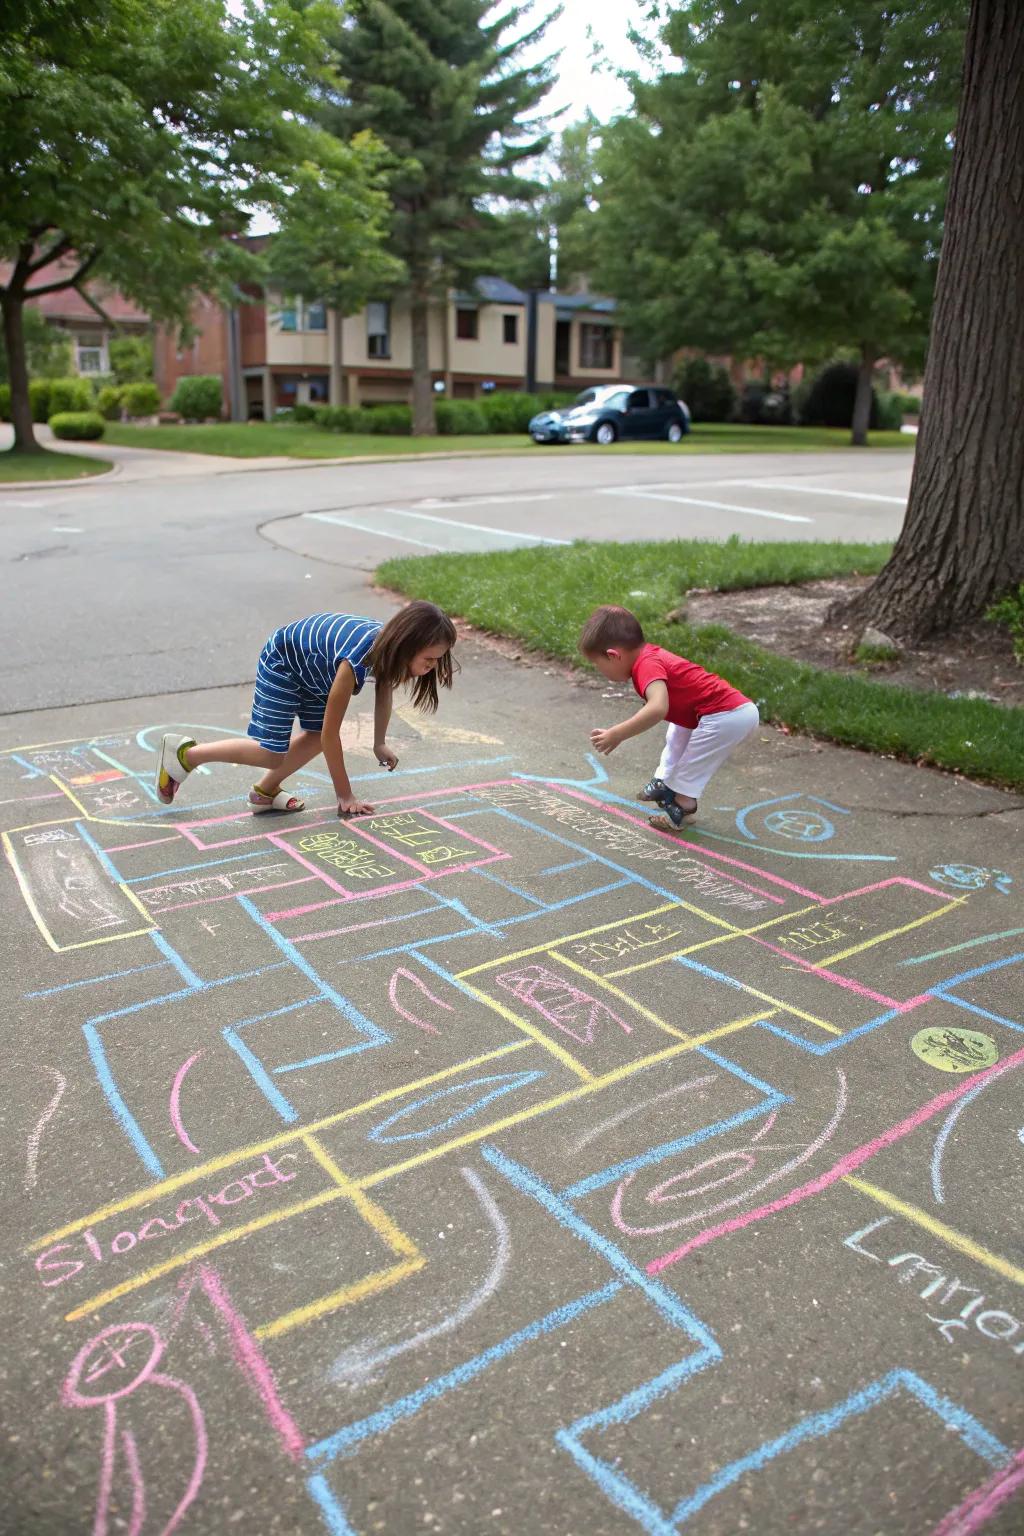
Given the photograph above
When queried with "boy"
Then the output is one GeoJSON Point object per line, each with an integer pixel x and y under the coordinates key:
{"type": "Point", "coordinates": [707, 717]}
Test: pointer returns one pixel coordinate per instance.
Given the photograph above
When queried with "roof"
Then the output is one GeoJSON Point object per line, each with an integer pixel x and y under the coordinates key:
{"type": "Point", "coordinates": [67, 303]}
{"type": "Point", "coordinates": [496, 290]}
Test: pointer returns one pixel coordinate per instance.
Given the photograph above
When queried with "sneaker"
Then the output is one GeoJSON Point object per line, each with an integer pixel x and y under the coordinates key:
{"type": "Point", "coordinates": [170, 770]}
{"type": "Point", "coordinates": [673, 810]}
{"type": "Point", "coordinates": [652, 790]}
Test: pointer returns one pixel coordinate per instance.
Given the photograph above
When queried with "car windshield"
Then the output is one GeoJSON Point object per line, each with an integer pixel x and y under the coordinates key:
{"type": "Point", "coordinates": [585, 397]}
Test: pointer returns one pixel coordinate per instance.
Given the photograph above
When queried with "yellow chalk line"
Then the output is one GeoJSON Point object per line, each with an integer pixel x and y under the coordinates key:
{"type": "Point", "coordinates": [948, 1235]}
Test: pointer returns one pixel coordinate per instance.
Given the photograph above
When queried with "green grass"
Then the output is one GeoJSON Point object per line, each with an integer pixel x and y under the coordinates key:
{"type": "Point", "coordinates": [15, 467]}
{"type": "Point", "coordinates": [291, 439]}
{"type": "Point", "coordinates": [541, 597]}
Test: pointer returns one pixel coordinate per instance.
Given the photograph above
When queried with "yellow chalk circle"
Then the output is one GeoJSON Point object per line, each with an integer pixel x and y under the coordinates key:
{"type": "Point", "coordinates": [955, 1050]}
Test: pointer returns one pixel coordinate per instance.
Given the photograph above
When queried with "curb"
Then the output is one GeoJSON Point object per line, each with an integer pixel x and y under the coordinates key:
{"type": "Point", "coordinates": [62, 485]}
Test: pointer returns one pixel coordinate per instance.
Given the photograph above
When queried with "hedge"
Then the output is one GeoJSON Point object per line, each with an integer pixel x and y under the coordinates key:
{"type": "Point", "coordinates": [78, 426]}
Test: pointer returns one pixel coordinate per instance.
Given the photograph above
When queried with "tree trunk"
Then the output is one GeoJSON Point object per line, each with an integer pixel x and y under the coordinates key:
{"type": "Point", "coordinates": [862, 399]}
{"type": "Point", "coordinates": [962, 543]}
{"type": "Point", "coordinates": [336, 384]}
{"type": "Point", "coordinates": [424, 423]}
{"type": "Point", "coordinates": [17, 367]}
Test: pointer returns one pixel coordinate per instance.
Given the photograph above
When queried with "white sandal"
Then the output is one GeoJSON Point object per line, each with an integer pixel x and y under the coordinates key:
{"type": "Point", "coordinates": [260, 803]}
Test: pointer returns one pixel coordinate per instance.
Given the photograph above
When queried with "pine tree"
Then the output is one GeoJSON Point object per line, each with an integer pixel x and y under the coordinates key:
{"type": "Point", "coordinates": [443, 86]}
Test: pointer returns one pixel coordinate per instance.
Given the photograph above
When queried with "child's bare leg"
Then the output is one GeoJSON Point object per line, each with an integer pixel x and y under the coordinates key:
{"type": "Point", "coordinates": [235, 749]}
{"type": "Point", "coordinates": [304, 746]}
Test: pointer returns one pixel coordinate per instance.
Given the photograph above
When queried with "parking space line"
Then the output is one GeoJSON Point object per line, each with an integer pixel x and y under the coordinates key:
{"type": "Point", "coordinates": [347, 522]}
{"type": "Point", "coordinates": [694, 501]}
{"type": "Point", "coordinates": [451, 522]}
{"type": "Point", "coordinates": [817, 490]}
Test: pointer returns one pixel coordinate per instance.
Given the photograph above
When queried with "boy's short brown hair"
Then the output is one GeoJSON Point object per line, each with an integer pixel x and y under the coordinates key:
{"type": "Point", "coordinates": [611, 628]}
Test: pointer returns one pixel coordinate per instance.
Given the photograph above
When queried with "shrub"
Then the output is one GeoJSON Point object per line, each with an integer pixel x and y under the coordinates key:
{"type": "Point", "coordinates": [198, 397]}
{"type": "Point", "coordinates": [890, 412]}
{"type": "Point", "coordinates": [831, 396]}
{"type": "Point", "coordinates": [303, 411]}
{"type": "Point", "coordinates": [910, 404]}
{"type": "Point", "coordinates": [69, 395]}
{"type": "Point", "coordinates": [706, 388]}
{"type": "Point", "coordinates": [333, 418]}
{"type": "Point", "coordinates": [39, 399]}
{"type": "Point", "coordinates": [79, 426]}
{"type": "Point", "coordinates": [1009, 611]}
{"type": "Point", "coordinates": [140, 399]}
{"type": "Point", "coordinates": [108, 402]}
{"type": "Point", "coordinates": [509, 412]}
{"type": "Point", "coordinates": [387, 420]}
{"type": "Point", "coordinates": [456, 418]}
{"type": "Point", "coordinates": [5, 402]}
{"type": "Point", "coordinates": [763, 407]}
{"type": "Point", "coordinates": [131, 360]}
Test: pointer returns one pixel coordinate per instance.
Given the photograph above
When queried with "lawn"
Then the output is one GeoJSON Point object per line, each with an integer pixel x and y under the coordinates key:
{"type": "Point", "coordinates": [260, 439]}
{"type": "Point", "coordinates": [541, 597]}
{"type": "Point", "coordinates": [16, 467]}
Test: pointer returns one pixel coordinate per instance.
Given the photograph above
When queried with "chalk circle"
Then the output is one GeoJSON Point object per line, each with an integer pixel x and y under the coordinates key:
{"type": "Point", "coordinates": [955, 1050]}
{"type": "Point", "coordinates": [106, 1352]}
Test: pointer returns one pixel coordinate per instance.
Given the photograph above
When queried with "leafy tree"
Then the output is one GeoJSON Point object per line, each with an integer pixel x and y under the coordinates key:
{"type": "Point", "coordinates": [47, 349]}
{"type": "Point", "coordinates": [962, 542]}
{"type": "Point", "coordinates": [554, 235]}
{"type": "Point", "coordinates": [139, 135]}
{"type": "Point", "coordinates": [131, 359]}
{"type": "Point", "coordinates": [781, 193]}
{"type": "Point", "coordinates": [444, 87]}
{"type": "Point", "coordinates": [331, 244]}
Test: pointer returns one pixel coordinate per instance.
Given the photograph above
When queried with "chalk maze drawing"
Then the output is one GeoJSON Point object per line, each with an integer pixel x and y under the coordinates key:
{"type": "Point", "coordinates": [499, 1097]}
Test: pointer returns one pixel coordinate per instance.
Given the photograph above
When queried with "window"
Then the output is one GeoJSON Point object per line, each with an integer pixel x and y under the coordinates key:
{"type": "Point", "coordinates": [378, 329]}
{"type": "Point", "coordinates": [596, 346]}
{"type": "Point", "coordinates": [466, 321]}
{"type": "Point", "coordinates": [315, 316]}
{"type": "Point", "coordinates": [90, 359]}
{"type": "Point", "coordinates": [510, 328]}
{"type": "Point", "coordinates": [288, 315]}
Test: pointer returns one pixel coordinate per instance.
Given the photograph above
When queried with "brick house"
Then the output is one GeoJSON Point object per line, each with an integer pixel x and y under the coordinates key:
{"type": "Point", "coordinates": [274, 351]}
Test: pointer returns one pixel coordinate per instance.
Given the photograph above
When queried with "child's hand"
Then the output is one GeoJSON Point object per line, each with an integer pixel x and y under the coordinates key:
{"type": "Point", "coordinates": [386, 758]}
{"type": "Point", "coordinates": [605, 741]}
{"type": "Point", "coordinates": [351, 805]}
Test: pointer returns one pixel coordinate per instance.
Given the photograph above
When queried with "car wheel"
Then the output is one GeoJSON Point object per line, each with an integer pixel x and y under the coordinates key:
{"type": "Point", "coordinates": [675, 432]}
{"type": "Point", "coordinates": [605, 433]}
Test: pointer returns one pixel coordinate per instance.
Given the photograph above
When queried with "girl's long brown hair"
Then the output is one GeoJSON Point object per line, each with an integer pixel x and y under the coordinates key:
{"type": "Point", "coordinates": [415, 628]}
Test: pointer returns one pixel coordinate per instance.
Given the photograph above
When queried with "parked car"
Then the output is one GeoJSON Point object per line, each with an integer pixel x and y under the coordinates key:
{"type": "Point", "coordinates": [612, 412]}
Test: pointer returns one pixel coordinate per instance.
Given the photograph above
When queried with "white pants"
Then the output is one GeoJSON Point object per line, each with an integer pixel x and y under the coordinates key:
{"type": "Point", "coordinates": [690, 758]}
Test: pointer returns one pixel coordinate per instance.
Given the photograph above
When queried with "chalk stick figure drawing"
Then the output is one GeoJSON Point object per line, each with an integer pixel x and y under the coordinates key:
{"type": "Point", "coordinates": [107, 1371]}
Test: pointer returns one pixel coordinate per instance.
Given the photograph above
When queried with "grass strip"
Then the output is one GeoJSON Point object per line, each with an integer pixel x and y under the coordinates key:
{"type": "Point", "coordinates": [18, 467]}
{"type": "Point", "coordinates": [541, 597]}
{"type": "Point", "coordinates": [267, 439]}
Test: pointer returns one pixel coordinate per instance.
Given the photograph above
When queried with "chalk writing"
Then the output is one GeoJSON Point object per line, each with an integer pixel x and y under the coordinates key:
{"type": "Point", "coordinates": [567, 1007]}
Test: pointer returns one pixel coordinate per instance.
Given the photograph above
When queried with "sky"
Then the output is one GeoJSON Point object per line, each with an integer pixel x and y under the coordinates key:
{"type": "Point", "coordinates": [584, 83]}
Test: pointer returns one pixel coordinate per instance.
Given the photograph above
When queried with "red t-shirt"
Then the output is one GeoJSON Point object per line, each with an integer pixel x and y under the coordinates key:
{"type": "Point", "coordinates": [692, 692]}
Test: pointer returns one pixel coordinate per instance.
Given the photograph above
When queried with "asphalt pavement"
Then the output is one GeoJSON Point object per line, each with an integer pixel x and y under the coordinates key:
{"type": "Point", "coordinates": [495, 1162]}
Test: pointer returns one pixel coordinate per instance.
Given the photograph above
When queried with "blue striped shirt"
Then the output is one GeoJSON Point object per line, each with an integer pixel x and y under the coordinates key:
{"type": "Point", "coordinates": [312, 649]}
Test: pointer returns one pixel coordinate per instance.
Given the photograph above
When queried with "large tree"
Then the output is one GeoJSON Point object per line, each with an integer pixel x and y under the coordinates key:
{"type": "Point", "coordinates": [443, 85]}
{"type": "Point", "coordinates": [779, 193]}
{"type": "Point", "coordinates": [136, 137]}
{"type": "Point", "coordinates": [962, 542]}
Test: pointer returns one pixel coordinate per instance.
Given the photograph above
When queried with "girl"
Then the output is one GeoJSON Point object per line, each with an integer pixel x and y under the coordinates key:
{"type": "Point", "coordinates": [311, 669]}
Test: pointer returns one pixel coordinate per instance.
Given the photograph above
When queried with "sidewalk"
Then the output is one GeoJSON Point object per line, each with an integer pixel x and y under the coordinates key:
{"type": "Point", "coordinates": [663, 1183]}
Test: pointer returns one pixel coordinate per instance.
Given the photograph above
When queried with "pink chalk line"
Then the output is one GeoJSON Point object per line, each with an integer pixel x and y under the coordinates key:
{"type": "Point", "coordinates": [149, 842]}
{"type": "Point", "coordinates": [698, 851]}
{"type": "Point", "coordinates": [199, 1427]}
{"type": "Point", "coordinates": [981, 1505]}
{"type": "Point", "coordinates": [880, 885]}
{"type": "Point", "coordinates": [131, 1456]}
{"type": "Point", "coordinates": [179, 1129]}
{"type": "Point", "coordinates": [377, 891]}
{"type": "Point", "coordinates": [423, 794]}
{"type": "Point", "coordinates": [838, 1171]}
{"type": "Point", "coordinates": [253, 1365]}
{"type": "Point", "coordinates": [847, 982]}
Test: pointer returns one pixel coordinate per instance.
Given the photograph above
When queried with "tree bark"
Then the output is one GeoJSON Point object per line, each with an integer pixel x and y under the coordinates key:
{"type": "Point", "coordinates": [424, 423]}
{"type": "Point", "coordinates": [17, 367]}
{"type": "Point", "coordinates": [862, 399]}
{"type": "Point", "coordinates": [962, 543]}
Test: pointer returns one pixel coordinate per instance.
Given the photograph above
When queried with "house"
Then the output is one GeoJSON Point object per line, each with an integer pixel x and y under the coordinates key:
{"type": "Point", "coordinates": [274, 351]}
{"type": "Point", "coordinates": [89, 328]}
